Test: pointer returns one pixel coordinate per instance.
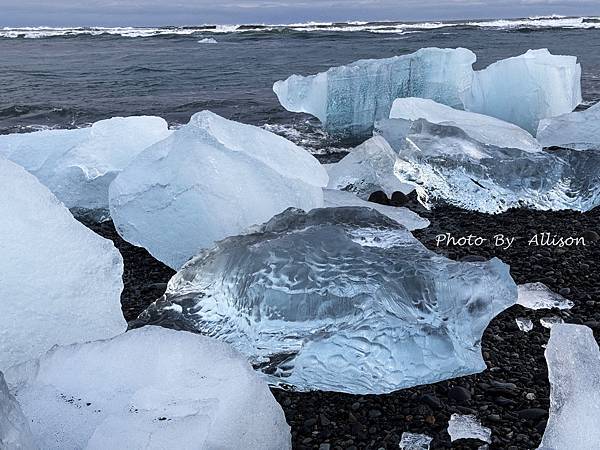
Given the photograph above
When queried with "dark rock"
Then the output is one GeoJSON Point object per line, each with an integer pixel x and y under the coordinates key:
{"type": "Point", "coordinates": [533, 414]}
{"type": "Point", "coordinates": [399, 199]}
{"type": "Point", "coordinates": [459, 394]}
{"type": "Point", "coordinates": [379, 197]}
{"type": "Point", "coordinates": [590, 236]}
{"type": "Point", "coordinates": [431, 400]}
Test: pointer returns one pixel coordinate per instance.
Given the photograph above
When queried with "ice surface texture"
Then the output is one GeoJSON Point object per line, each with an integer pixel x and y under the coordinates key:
{"type": "Point", "coordinates": [78, 165]}
{"type": "Point", "coordinates": [521, 90]}
{"type": "Point", "coordinates": [468, 427]}
{"type": "Point", "coordinates": [574, 371]}
{"type": "Point", "coordinates": [14, 427]}
{"type": "Point", "coordinates": [150, 388]}
{"type": "Point", "coordinates": [366, 169]}
{"type": "Point", "coordinates": [445, 163]}
{"type": "Point", "coordinates": [210, 179]}
{"type": "Point", "coordinates": [60, 283]}
{"type": "Point", "coordinates": [339, 299]}
{"type": "Point", "coordinates": [578, 130]}
{"type": "Point", "coordinates": [349, 99]}
{"type": "Point", "coordinates": [540, 296]}
{"type": "Point", "coordinates": [413, 441]}
{"type": "Point", "coordinates": [404, 216]}
{"type": "Point", "coordinates": [526, 88]}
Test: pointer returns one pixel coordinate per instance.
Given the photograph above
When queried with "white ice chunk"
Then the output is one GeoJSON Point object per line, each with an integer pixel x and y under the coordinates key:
{"type": "Point", "coordinates": [150, 388]}
{"type": "Point", "coordinates": [539, 296]}
{"type": "Point", "coordinates": [574, 372]}
{"type": "Point", "coordinates": [411, 220]}
{"type": "Point", "coordinates": [577, 130]}
{"type": "Point", "coordinates": [414, 441]}
{"type": "Point", "coordinates": [366, 169]}
{"type": "Point", "coordinates": [208, 41]}
{"type": "Point", "coordinates": [78, 165]}
{"type": "Point", "coordinates": [349, 99]}
{"type": "Point", "coordinates": [60, 283]}
{"type": "Point", "coordinates": [484, 129]}
{"type": "Point", "coordinates": [14, 427]}
{"type": "Point", "coordinates": [468, 427]}
{"type": "Point", "coordinates": [339, 299]}
{"type": "Point", "coordinates": [212, 178]}
{"type": "Point", "coordinates": [524, 324]}
{"type": "Point", "coordinates": [549, 322]}
{"type": "Point", "coordinates": [526, 88]}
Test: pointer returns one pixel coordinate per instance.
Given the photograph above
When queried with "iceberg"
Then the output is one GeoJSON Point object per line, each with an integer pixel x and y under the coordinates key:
{"type": "Point", "coordinates": [149, 388]}
{"type": "Point", "coordinates": [210, 179]}
{"type": "Point", "coordinates": [540, 296]}
{"type": "Point", "coordinates": [577, 130]}
{"type": "Point", "coordinates": [483, 129]}
{"type": "Point", "coordinates": [574, 372]}
{"type": "Point", "coordinates": [366, 169]}
{"type": "Point", "coordinates": [444, 163]}
{"type": "Point", "coordinates": [467, 426]}
{"type": "Point", "coordinates": [413, 441]}
{"type": "Point", "coordinates": [404, 216]}
{"type": "Point", "coordinates": [339, 299]}
{"type": "Point", "coordinates": [78, 165]}
{"type": "Point", "coordinates": [349, 99]}
{"type": "Point", "coordinates": [14, 428]}
{"type": "Point", "coordinates": [60, 282]}
{"type": "Point", "coordinates": [526, 88]}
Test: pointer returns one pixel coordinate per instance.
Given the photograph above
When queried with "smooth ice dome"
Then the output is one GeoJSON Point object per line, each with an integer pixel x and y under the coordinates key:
{"type": "Point", "coordinates": [483, 129]}
{"type": "Point", "coordinates": [149, 388]}
{"type": "Point", "coordinates": [60, 282]}
{"type": "Point", "coordinates": [339, 299]}
{"type": "Point", "coordinates": [540, 296]}
{"type": "Point", "coordinates": [212, 178]}
{"type": "Point", "coordinates": [574, 372]}
{"type": "Point", "coordinates": [404, 216]}
{"type": "Point", "coordinates": [577, 130]}
{"type": "Point", "coordinates": [349, 99]}
{"type": "Point", "coordinates": [445, 163]}
{"type": "Point", "coordinates": [14, 427]}
{"type": "Point", "coordinates": [467, 426]}
{"type": "Point", "coordinates": [78, 165]}
{"type": "Point", "coordinates": [526, 88]}
{"type": "Point", "coordinates": [366, 169]}
{"type": "Point", "coordinates": [413, 441]}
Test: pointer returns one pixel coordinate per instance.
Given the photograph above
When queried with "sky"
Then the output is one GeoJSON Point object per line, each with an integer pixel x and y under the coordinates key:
{"type": "Point", "coordinates": [196, 12]}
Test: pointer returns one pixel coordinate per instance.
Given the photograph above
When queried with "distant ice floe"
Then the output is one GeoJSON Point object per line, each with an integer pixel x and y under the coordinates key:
{"type": "Point", "coordinates": [574, 372]}
{"type": "Point", "coordinates": [208, 41]}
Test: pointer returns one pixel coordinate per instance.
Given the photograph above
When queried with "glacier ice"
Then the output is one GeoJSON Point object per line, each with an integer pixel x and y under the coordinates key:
{"type": "Point", "coordinates": [549, 322]}
{"type": "Point", "coordinates": [14, 428]}
{"type": "Point", "coordinates": [574, 372]}
{"type": "Point", "coordinates": [59, 282]}
{"type": "Point", "coordinates": [526, 88]}
{"type": "Point", "coordinates": [366, 169]}
{"type": "Point", "coordinates": [210, 179]}
{"type": "Point", "coordinates": [413, 441]}
{"type": "Point", "coordinates": [577, 130]}
{"type": "Point", "coordinates": [539, 296]}
{"type": "Point", "coordinates": [445, 163]}
{"type": "Point", "coordinates": [349, 99]}
{"type": "Point", "coordinates": [404, 216]}
{"type": "Point", "coordinates": [481, 128]}
{"type": "Point", "coordinates": [524, 324]}
{"type": "Point", "coordinates": [149, 388]}
{"type": "Point", "coordinates": [339, 299]}
{"type": "Point", "coordinates": [78, 165]}
{"type": "Point", "coordinates": [467, 426]}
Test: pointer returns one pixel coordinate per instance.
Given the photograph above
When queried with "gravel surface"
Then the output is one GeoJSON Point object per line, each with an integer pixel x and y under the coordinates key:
{"type": "Point", "coordinates": [511, 397]}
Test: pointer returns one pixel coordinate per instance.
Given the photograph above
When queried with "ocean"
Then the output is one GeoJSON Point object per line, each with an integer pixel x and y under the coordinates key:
{"type": "Point", "coordinates": [70, 77]}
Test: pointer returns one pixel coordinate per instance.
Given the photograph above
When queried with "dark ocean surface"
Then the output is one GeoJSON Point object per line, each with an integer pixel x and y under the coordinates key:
{"type": "Point", "coordinates": [70, 77]}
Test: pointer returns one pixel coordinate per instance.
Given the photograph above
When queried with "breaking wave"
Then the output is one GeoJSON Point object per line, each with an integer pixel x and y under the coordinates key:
{"type": "Point", "coordinates": [372, 27]}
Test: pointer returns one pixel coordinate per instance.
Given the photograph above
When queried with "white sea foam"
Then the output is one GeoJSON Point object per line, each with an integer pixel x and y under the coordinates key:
{"type": "Point", "coordinates": [355, 26]}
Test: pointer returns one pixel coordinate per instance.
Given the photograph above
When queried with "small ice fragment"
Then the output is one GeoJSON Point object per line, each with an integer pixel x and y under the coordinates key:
{"type": "Point", "coordinates": [467, 426]}
{"type": "Point", "coordinates": [539, 296]}
{"type": "Point", "coordinates": [548, 322]}
{"type": "Point", "coordinates": [524, 324]}
{"type": "Point", "coordinates": [530, 396]}
{"type": "Point", "coordinates": [574, 374]}
{"type": "Point", "coordinates": [414, 441]}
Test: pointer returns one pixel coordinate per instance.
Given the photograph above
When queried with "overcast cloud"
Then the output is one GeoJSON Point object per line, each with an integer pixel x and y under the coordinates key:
{"type": "Point", "coordinates": [193, 12]}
